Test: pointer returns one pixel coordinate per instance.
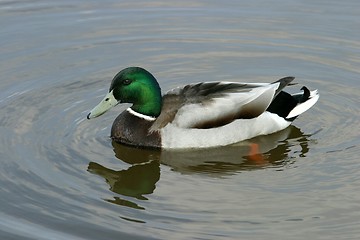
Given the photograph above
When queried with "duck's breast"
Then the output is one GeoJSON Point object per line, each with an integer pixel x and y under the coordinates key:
{"type": "Point", "coordinates": [132, 130]}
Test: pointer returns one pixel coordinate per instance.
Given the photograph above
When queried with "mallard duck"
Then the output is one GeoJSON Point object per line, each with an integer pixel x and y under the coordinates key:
{"type": "Point", "coordinates": [200, 115]}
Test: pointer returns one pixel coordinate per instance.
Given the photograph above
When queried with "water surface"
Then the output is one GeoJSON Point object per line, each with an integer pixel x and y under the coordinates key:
{"type": "Point", "coordinates": [63, 178]}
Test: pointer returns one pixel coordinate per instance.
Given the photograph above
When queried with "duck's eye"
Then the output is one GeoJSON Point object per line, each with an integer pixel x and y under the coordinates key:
{"type": "Point", "coordinates": [126, 81]}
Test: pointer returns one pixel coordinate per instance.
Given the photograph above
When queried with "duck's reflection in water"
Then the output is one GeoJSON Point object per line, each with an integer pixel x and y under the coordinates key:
{"type": "Point", "coordinates": [136, 181]}
{"type": "Point", "coordinates": [275, 150]}
{"type": "Point", "coordinates": [257, 153]}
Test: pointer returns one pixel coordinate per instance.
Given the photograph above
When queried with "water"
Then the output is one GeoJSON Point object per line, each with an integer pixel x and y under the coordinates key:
{"type": "Point", "coordinates": [61, 176]}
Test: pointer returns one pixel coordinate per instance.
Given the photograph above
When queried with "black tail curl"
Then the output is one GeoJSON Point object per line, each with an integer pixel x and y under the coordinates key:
{"type": "Point", "coordinates": [283, 103]}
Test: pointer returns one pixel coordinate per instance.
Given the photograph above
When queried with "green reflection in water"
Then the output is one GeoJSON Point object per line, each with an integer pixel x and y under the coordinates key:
{"type": "Point", "coordinates": [135, 181]}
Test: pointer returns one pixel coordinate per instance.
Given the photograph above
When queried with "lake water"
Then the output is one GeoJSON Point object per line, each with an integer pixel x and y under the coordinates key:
{"type": "Point", "coordinates": [61, 176]}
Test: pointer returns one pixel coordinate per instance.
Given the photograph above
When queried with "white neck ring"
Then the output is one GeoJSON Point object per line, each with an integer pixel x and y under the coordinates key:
{"type": "Point", "coordinates": [140, 115]}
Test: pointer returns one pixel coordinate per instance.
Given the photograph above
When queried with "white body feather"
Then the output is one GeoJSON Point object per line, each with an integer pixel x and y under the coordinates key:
{"type": "Point", "coordinates": [180, 133]}
{"type": "Point", "coordinates": [192, 114]}
{"type": "Point", "coordinates": [174, 136]}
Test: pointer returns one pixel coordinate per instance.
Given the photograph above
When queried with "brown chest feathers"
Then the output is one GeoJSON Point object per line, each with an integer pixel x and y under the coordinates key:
{"type": "Point", "coordinates": [132, 130]}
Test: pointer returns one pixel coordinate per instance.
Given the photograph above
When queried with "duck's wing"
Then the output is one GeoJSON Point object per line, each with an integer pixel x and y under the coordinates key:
{"type": "Point", "coordinates": [213, 104]}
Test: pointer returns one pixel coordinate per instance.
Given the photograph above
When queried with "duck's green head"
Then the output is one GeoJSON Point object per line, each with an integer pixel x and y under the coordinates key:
{"type": "Point", "coordinates": [132, 85]}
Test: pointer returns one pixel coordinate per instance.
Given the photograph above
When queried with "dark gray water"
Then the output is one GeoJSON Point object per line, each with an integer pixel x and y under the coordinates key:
{"type": "Point", "coordinates": [61, 176]}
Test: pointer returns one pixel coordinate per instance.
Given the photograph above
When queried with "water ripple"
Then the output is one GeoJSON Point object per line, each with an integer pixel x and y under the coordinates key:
{"type": "Point", "coordinates": [64, 178]}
